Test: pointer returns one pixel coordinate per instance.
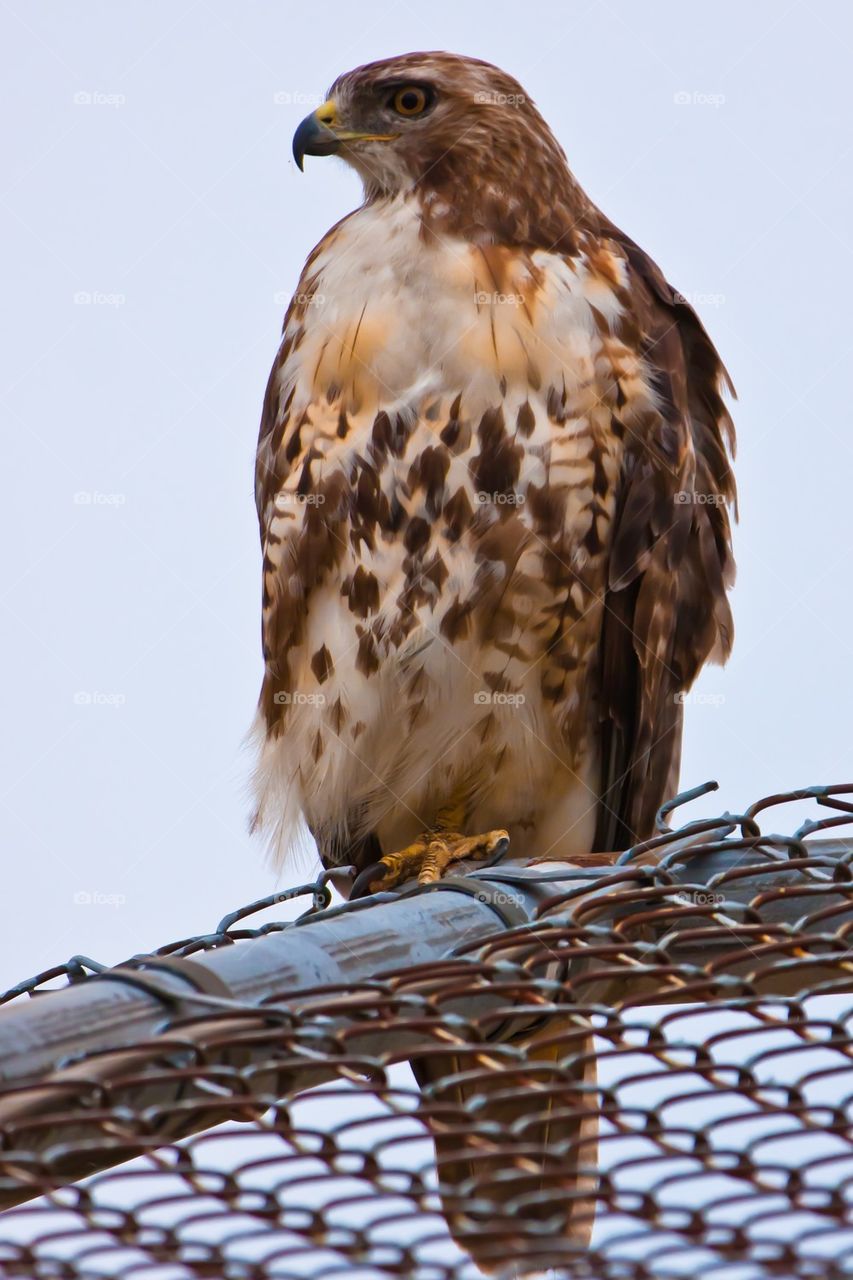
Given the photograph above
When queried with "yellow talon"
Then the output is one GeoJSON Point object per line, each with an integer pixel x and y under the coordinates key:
{"type": "Point", "coordinates": [432, 853]}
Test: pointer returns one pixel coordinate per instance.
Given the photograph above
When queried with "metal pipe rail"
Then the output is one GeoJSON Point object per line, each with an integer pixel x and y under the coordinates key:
{"type": "Point", "coordinates": [105, 1033]}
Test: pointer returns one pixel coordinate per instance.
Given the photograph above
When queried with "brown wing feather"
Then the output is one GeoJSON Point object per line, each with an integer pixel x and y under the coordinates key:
{"type": "Point", "coordinates": [272, 463]}
{"type": "Point", "coordinates": [671, 558]}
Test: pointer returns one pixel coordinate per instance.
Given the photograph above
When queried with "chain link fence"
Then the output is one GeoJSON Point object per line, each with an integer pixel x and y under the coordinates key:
{"type": "Point", "coordinates": [637, 1067]}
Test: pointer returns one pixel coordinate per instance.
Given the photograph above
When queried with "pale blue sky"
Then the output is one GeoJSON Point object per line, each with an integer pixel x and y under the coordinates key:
{"type": "Point", "coordinates": [148, 169]}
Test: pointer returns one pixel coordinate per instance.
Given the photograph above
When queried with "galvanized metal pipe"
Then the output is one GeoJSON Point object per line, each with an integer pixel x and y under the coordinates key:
{"type": "Point", "coordinates": [47, 1043]}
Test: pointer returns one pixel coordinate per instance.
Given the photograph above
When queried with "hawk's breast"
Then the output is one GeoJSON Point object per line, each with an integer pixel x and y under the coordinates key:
{"type": "Point", "coordinates": [439, 484]}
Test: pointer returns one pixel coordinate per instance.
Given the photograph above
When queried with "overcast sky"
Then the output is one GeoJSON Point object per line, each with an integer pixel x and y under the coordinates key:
{"type": "Point", "coordinates": [153, 226]}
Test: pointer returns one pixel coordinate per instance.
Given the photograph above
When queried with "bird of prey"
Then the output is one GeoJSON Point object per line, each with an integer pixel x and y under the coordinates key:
{"type": "Point", "coordinates": [493, 481]}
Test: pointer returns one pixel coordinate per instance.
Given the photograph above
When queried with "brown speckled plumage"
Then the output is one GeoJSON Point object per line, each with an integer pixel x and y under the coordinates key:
{"type": "Point", "coordinates": [493, 484]}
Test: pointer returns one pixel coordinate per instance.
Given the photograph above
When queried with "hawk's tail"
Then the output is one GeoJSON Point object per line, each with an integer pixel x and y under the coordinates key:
{"type": "Point", "coordinates": [516, 1148]}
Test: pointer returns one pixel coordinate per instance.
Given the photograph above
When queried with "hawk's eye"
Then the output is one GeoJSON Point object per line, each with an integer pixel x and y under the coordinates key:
{"type": "Point", "coordinates": [410, 101]}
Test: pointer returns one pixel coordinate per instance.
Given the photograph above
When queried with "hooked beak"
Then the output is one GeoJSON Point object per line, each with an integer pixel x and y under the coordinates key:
{"type": "Point", "coordinates": [320, 134]}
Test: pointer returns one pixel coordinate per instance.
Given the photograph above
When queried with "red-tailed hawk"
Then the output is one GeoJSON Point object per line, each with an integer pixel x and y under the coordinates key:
{"type": "Point", "coordinates": [492, 479]}
{"type": "Point", "coordinates": [492, 482]}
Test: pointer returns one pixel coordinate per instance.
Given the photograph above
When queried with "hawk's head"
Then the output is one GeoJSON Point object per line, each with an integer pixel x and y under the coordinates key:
{"type": "Point", "coordinates": [458, 133]}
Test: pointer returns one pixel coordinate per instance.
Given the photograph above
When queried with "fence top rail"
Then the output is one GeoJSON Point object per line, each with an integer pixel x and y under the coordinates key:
{"type": "Point", "coordinates": [627, 1065]}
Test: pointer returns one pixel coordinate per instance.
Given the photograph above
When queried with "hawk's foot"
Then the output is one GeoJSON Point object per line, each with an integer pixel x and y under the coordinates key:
{"type": "Point", "coordinates": [428, 858]}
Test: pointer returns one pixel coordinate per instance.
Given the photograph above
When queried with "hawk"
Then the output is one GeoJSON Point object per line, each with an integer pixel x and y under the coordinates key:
{"type": "Point", "coordinates": [493, 481]}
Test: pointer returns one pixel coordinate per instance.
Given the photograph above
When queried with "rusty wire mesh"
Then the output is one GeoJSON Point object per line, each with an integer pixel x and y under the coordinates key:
{"type": "Point", "coordinates": [658, 1084]}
